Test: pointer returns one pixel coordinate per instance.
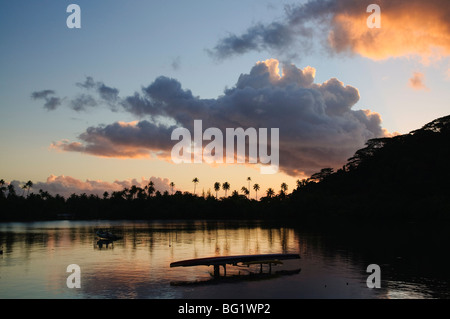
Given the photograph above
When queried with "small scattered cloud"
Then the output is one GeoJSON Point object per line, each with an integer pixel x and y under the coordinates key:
{"type": "Point", "coordinates": [95, 94]}
{"type": "Point", "coordinates": [51, 101]}
{"type": "Point", "coordinates": [417, 81]}
{"type": "Point", "coordinates": [176, 63]}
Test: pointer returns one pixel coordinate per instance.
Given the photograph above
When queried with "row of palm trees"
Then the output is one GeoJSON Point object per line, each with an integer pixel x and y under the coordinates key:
{"type": "Point", "coordinates": [139, 192]}
{"type": "Point", "coordinates": [270, 192]}
{"type": "Point", "coordinates": [11, 189]}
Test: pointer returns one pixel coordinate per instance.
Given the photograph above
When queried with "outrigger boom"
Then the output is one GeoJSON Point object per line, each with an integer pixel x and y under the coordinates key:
{"type": "Point", "coordinates": [234, 260]}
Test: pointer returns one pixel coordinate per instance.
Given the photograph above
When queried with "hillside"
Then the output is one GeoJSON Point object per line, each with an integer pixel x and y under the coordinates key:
{"type": "Point", "coordinates": [406, 176]}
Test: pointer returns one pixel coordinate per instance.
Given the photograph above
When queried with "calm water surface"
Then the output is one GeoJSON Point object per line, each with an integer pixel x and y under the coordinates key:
{"type": "Point", "coordinates": [333, 262]}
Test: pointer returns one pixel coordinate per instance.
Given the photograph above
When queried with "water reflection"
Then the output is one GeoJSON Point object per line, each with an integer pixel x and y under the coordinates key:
{"type": "Point", "coordinates": [104, 243]}
{"type": "Point", "coordinates": [333, 261]}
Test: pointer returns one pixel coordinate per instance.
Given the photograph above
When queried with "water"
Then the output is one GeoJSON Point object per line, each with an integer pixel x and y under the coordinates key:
{"type": "Point", "coordinates": [333, 261]}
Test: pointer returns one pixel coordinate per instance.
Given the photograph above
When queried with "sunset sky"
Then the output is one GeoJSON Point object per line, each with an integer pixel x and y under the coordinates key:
{"type": "Point", "coordinates": [90, 109]}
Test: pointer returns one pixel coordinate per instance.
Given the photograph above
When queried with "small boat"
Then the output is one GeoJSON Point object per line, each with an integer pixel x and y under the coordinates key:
{"type": "Point", "coordinates": [103, 234]}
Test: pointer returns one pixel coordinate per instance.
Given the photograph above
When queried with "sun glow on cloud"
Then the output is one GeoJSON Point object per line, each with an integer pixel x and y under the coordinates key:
{"type": "Point", "coordinates": [407, 29]}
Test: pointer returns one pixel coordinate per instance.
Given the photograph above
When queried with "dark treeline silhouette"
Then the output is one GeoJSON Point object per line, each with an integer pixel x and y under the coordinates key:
{"type": "Point", "coordinates": [405, 177]}
{"type": "Point", "coordinates": [133, 203]}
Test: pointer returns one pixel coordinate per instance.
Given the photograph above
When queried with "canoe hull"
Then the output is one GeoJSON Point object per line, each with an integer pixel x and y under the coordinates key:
{"type": "Point", "coordinates": [223, 260]}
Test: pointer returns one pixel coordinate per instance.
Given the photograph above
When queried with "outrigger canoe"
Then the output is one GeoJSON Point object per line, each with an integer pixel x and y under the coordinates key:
{"type": "Point", "coordinates": [234, 260]}
{"type": "Point", "coordinates": [107, 235]}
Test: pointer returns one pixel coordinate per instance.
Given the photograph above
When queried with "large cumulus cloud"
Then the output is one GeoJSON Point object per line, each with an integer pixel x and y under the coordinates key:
{"type": "Point", "coordinates": [318, 127]}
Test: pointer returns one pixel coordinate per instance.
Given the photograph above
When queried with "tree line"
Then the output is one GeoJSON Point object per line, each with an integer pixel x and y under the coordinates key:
{"type": "Point", "coordinates": [405, 177]}
{"type": "Point", "coordinates": [138, 202]}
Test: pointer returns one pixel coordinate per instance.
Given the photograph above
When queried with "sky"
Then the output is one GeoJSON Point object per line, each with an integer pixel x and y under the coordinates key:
{"type": "Point", "coordinates": [91, 109]}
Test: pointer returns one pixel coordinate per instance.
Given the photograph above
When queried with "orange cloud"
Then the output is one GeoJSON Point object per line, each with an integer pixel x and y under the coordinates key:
{"type": "Point", "coordinates": [408, 28]}
{"type": "Point", "coordinates": [417, 81]}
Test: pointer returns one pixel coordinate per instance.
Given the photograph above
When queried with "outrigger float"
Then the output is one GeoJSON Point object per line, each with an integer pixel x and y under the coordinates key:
{"type": "Point", "coordinates": [243, 260]}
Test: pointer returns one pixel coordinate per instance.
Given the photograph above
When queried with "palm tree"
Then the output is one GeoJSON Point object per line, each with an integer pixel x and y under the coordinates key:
{"type": "Point", "coordinates": [195, 181]}
{"type": "Point", "coordinates": [249, 179]}
{"type": "Point", "coordinates": [284, 189]}
{"type": "Point", "coordinates": [245, 190]}
{"type": "Point", "coordinates": [302, 183]}
{"type": "Point", "coordinates": [172, 185]}
{"type": "Point", "coordinates": [28, 185]}
{"type": "Point", "coordinates": [133, 191]}
{"type": "Point", "coordinates": [270, 192]}
{"type": "Point", "coordinates": [141, 193]}
{"type": "Point", "coordinates": [226, 187]}
{"type": "Point", "coordinates": [11, 190]}
{"type": "Point", "coordinates": [216, 187]}
{"type": "Point", "coordinates": [256, 188]}
{"type": "Point", "coordinates": [150, 188]}
{"type": "Point", "coordinates": [2, 188]}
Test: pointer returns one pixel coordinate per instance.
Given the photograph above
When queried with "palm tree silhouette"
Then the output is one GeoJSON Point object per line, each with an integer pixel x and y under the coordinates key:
{"type": "Point", "coordinates": [270, 192]}
{"type": "Point", "coordinates": [284, 189]}
{"type": "Point", "coordinates": [29, 184]}
{"type": "Point", "coordinates": [245, 190]}
{"type": "Point", "coordinates": [256, 188]}
{"type": "Point", "coordinates": [302, 183]}
{"type": "Point", "coordinates": [249, 179]}
{"type": "Point", "coordinates": [195, 181]}
{"type": "Point", "coordinates": [133, 191]}
{"type": "Point", "coordinates": [226, 187]}
{"type": "Point", "coordinates": [2, 188]}
{"type": "Point", "coordinates": [150, 188]}
{"type": "Point", "coordinates": [216, 187]}
{"type": "Point", "coordinates": [11, 190]}
{"type": "Point", "coordinates": [172, 185]}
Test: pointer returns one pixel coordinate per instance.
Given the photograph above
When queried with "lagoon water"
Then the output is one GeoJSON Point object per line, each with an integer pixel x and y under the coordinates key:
{"type": "Point", "coordinates": [333, 260]}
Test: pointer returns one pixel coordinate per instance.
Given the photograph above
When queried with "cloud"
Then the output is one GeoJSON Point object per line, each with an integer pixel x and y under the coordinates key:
{"type": "Point", "coordinates": [96, 94]}
{"type": "Point", "coordinates": [122, 140]}
{"type": "Point", "coordinates": [417, 81]}
{"type": "Point", "coordinates": [105, 94]}
{"type": "Point", "coordinates": [176, 63]}
{"type": "Point", "coordinates": [447, 75]}
{"type": "Point", "coordinates": [67, 185]}
{"type": "Point", "coordinates": [318, 127]}
{"type": "Point", "coordinates": [82, 101]}
{"type": "Point", "coordinates": [51, 102]}
{"type": "Point", "coordinates": [408, 28]}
